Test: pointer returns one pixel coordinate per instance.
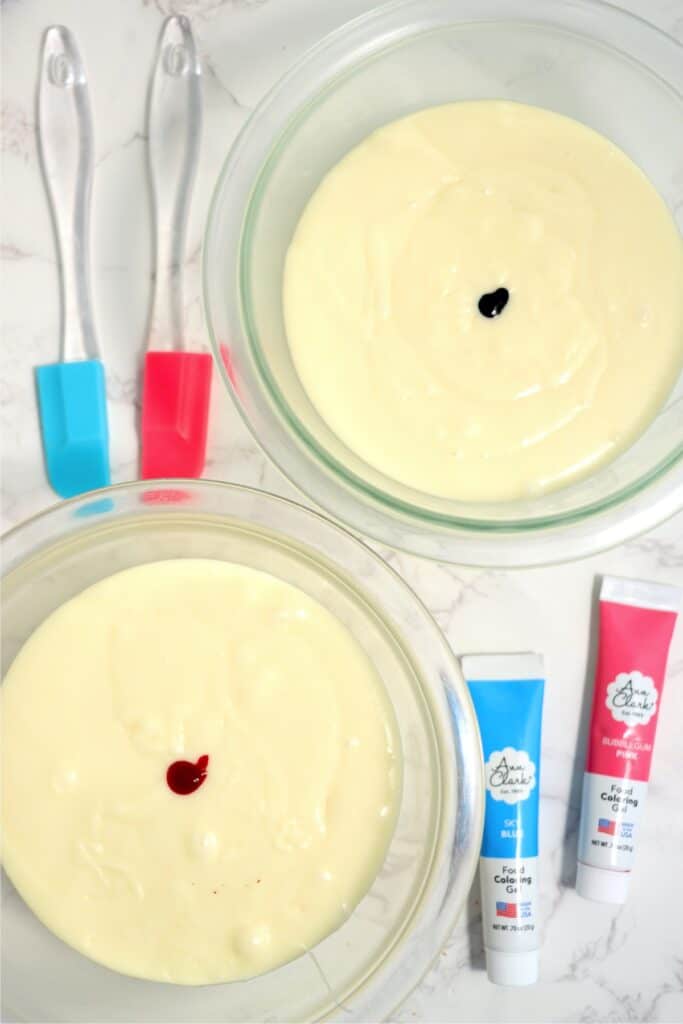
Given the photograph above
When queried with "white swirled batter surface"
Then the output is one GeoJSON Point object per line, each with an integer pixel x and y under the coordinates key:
{"type": "Point", "coordinates": [287, 822]}
{"type": "Point", "coordinates": [480, 203]}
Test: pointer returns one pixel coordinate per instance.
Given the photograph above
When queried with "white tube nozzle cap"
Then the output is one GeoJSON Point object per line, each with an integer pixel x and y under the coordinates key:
{"type": "Point", "coordinates": [512, 968]}
{"type": "Point", "coordinates": [601, 884]}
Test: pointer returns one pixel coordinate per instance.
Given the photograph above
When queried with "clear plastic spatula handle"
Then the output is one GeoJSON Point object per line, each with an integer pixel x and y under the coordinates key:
{"type": "Point", "coordinates": [65, 139]}
{"type": "Point", "coordinates": [174, 132]}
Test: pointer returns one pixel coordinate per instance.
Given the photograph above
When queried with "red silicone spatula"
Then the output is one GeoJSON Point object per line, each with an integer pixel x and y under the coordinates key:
{"type": "Point", "coordinates": [177, 383]}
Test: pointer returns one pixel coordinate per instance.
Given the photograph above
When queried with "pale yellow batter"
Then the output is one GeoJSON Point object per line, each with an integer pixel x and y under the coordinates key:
{"type": "Point", "coordinates": [398, 244]}
{"type": "Point", "coordinates": [287, 831]}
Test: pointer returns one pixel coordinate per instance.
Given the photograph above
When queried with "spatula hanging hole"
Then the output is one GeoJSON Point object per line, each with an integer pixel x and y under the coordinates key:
{"type": "Point", "coordinates": [176, 60]}
{"type": "Point", "coordinates": [60, 70]}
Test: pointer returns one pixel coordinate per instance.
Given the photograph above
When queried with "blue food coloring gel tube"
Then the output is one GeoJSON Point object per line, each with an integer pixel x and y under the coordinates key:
{"type": "Point", "coordinates": [507, 692]}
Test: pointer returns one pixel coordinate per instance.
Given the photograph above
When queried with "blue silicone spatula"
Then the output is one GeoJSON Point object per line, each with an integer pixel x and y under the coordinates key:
{"type": "Point", "coordinates": [71, 393]}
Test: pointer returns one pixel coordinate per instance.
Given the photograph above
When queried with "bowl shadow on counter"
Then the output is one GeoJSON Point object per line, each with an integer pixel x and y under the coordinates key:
{"type": "Point", "coordinates": [475, 931]}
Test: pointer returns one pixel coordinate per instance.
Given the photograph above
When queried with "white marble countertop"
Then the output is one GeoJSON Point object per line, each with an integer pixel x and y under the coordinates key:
{"type": "Point", "coordinates": [599, 963]}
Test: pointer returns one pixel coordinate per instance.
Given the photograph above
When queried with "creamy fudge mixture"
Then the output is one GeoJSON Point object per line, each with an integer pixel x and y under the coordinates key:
{"type": "Point", "coordinates": [484, 300]}
{"type": "Point", "coordinates": [200, 772]}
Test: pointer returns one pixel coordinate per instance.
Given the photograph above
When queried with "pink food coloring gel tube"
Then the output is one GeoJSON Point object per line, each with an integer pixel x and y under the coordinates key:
{"type": "Point", "coordinates": [637, 620]}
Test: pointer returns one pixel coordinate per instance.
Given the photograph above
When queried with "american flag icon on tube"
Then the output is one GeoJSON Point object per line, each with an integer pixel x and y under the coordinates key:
{"type": "Point", "coordinates": [607, 826]}
{"type": "Point", "coordinates": [506, 909]}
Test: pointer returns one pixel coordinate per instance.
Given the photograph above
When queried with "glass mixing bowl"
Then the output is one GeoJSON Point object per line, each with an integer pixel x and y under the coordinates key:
{"type": "Point", "coordinates": [363, 970]}
{"type": "Point", "coordinates": [581, 58]}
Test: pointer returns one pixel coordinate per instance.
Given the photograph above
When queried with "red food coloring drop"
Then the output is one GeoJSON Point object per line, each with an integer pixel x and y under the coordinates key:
{"type": "Point", "coordinates": [184, 777]}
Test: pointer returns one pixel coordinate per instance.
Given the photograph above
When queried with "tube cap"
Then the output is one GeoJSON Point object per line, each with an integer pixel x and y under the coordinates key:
{"type": "Point", "coordinates": [512, 968]}
{"type": "Point", "coordinates": [602, 884]}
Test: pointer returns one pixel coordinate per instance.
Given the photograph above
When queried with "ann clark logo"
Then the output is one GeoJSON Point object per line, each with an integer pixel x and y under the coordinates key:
{"type": "Point", "coordinates": [510, 775]}
{"type": "Point", "coordinates": [632, 698]}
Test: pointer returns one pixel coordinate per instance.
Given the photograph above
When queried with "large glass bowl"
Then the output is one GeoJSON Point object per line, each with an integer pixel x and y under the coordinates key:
{"type": "Point", "coordinates": [363, 970]}
{"type": "Point", "coordinates": [581, 58]}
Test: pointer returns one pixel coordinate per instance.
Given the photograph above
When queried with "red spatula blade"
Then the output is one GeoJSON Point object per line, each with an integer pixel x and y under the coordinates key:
{"type": "Point", "coordinates": [175, 414]}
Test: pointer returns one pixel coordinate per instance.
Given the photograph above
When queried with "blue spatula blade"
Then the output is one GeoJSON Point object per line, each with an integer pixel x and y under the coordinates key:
{"type": "Point", "coordinates": [73, 416]}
